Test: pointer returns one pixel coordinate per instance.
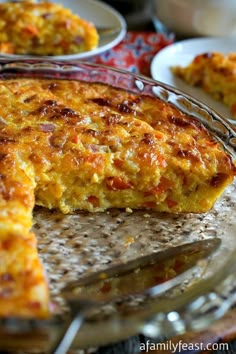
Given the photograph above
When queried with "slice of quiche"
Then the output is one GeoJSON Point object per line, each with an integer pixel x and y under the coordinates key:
{"type": "Point", "coordinates": [23, 285]}
{"type": "Point", "coordinates": [215, 73]}
{"type": "Point", "coordinates": [44, 28]}
{"type": "Point", "coordinates": [74, 145]}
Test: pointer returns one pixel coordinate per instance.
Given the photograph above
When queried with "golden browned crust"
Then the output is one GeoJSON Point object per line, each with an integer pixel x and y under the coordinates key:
{"type": "Point", "coordinates": [215, 73]}
{"type": "Point", "coordinates": [43, 28]}
{"type": "Point", "coordinates": [75, 145]}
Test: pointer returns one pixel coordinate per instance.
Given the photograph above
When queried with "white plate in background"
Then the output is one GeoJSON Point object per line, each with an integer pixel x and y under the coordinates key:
{"type": "Point", "coordinates": [182, 53]}
{"type": "Point", "coordinates": [101, 15]}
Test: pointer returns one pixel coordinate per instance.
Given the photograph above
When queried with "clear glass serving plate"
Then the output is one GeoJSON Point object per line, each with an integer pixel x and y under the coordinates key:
{"type": "Point", "coordinates": [75, 245]}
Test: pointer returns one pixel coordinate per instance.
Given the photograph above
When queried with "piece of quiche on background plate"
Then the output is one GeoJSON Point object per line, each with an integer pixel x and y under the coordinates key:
{"type": "Point", "coordinates": [44, 29]}
{"type": "Point", "coordinates": [215, 73]}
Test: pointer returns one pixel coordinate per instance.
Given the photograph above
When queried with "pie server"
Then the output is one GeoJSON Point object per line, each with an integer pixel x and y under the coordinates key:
{"type": "Point", "coordinates": [148, 276]}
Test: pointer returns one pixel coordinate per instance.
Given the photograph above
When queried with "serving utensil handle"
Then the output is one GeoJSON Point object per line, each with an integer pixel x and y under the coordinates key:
{"type": "Point", "coordinates": [78, 310]}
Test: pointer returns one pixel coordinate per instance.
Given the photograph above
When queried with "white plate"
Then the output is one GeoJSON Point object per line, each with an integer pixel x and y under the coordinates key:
{"type": "Point", "coordinates": [181, 53]}
{"type": "Point", "coordinates": [101, 15]}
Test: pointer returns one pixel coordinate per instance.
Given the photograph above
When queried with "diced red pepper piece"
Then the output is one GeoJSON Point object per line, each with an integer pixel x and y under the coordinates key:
{"type": "Point", "coordinates": [31, 30]}
{"type": "Point", "coordinates": [94, 201]}
{"type": "Point", "coordinates": [171, 203]}
{"type": "Point", "coordinates": [162, 186]}
{"type": "Point", "coordinates": [117, 183]}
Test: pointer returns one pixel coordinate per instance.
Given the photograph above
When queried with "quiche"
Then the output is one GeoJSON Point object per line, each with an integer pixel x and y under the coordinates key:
{"type": "Point", "coordinates": [74, 145]}
{"type": "Point", "coordinates": [215, 73]}
{"type": "Point", "coordinates": [44, 28]}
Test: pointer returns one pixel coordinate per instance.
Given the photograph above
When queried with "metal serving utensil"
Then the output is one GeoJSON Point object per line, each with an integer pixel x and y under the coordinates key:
{"type": "Point", "coordinates": [145, 276]}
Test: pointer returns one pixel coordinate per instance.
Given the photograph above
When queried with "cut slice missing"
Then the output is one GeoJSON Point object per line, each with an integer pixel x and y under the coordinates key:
{"type": "Point", "coordinates": [215, 73]}
{"type": "Point", "coordinates": [74, 145]}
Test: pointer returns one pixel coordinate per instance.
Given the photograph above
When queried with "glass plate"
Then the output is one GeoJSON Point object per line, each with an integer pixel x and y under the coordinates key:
{"type": "Point", "coordinates": [74, 245]}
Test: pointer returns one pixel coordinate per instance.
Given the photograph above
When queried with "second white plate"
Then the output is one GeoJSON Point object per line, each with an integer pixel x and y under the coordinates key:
{"type": "Point", "coordinates": [181, 53]}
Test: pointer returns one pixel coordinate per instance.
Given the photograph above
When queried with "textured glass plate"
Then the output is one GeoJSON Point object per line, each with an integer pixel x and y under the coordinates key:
{"type": "Point", "coordinates": [74, 245]}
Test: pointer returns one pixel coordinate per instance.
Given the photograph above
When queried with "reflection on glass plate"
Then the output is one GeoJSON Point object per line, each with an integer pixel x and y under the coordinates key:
{"type": "Point", "coordinates": [102, 16]}
{"type": "Point", "coordinates": [181, 53]}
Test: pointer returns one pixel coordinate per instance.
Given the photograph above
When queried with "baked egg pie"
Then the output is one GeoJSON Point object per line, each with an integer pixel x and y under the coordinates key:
{"type": "Point", "coordinates": [74, 145]}
{"type": "Point", "coordinates": [215, 73]}
{"type": "Point", "coordinates": [44, 28]}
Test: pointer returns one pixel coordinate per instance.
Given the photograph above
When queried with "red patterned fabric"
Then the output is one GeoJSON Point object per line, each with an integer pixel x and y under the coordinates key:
{"type": "Point", "coordinates": [135, 52]}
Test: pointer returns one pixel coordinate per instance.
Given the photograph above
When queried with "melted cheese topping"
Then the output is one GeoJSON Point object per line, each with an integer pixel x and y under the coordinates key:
{"type": "Point", "coordinates": [215, 73]}
{"type": "Point", "coordinates": [44, 28]}
{"type": "Point", "coordinates": [75, 145]}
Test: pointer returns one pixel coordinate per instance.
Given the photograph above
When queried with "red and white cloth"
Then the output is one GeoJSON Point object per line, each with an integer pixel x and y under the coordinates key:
{"type": "Point", "coordinates": [135, 52]}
